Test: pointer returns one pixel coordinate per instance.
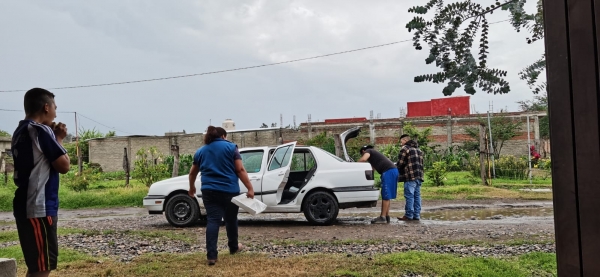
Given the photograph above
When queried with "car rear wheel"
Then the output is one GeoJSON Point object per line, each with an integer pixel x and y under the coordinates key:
{"type": "Point", "coordinates": [182, 211]}
{"type": "Point", "coordinates": [320, 208]}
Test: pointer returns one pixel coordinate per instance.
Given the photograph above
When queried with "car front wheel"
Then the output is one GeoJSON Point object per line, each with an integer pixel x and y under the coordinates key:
{"type": "Point", "coordinates": [182, 211]}
{"type": "Point", "coordinates": [320, 208]}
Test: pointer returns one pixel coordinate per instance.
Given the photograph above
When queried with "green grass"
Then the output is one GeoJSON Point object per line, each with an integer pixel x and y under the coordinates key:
{"type": "Point", "coordinates": [65, 256]}
{"type": "Point", "coordinates": [101, 195]}
{"type": "Point", "coordinates": [458, 185]}
{"type": "Point", "coordinates": [245, 264]}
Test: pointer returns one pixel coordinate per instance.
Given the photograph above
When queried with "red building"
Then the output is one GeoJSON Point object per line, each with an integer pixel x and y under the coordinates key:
{"type": "Point", "coordinates": [345, 120]}
{"type": "Point", "coordinates": [458, 105]}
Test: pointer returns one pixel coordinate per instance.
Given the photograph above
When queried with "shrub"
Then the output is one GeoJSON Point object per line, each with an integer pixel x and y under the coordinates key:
{"type": "Point", "coordinates": [508, 167]}
{"type": "Point", "coordinates": [185, 163]}
{"type": "Point", "coordinates": [437, 173]}
{"type": "Point", "coordinates": [391, 151]}
{"type": "Point", "coordinates": [149, 166]}
{"type": "Point", "coordinates": [116, 175]}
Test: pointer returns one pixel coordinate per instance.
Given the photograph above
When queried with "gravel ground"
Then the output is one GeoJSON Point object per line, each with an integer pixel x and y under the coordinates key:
{"type": "Point", "coordinates": [129, 232]}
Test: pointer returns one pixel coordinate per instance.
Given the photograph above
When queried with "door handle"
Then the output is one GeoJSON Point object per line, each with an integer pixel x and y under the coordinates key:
{"type": "Point", "coordinates": [254, 179]}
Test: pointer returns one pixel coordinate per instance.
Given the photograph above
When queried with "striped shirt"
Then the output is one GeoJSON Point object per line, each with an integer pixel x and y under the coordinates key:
{"type": "Point", "coordinates": [34, 148]}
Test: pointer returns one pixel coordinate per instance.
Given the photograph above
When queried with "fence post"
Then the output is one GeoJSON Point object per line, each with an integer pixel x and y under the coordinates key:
{"type": "Point", "coordinates": [175, 150]}
{"type": "Point", "coordinates": [126, 166]}
{"type": "Point", "coordinates": [482, 151]}
{"type": "Point", "coordinates": [338, 146]}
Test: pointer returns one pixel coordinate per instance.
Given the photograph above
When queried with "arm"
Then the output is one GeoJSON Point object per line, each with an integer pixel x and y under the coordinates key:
{"type": "Point", "coordinates": [62, 164]}
{"type": "Point", "coordinates": [192, 178]}
{"type": "Point", "coordinates": [194, 170]}
{"type": "Point", "coordinates": [364, 158]}
{"type": "Point", "coordinates": [243, 175]}
{"type": "Point", "coordinates": [53, 149]}
{"type": "Point", "coordinates": [402, 158]}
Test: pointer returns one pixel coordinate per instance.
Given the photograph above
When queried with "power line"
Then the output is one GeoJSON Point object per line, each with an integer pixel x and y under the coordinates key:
{"type": "Point", "coordinates": [229, 70]}
{"type": "Point", "coordinates": [112, 128]}
{"type": "Point", "coordinates": [216, 72]}
{"type": "Point", "coordinates": [498, 21]}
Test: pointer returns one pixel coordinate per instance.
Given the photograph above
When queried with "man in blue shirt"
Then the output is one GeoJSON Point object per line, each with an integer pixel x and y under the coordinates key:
{"type": "Point", "coordinates": [39, 157]}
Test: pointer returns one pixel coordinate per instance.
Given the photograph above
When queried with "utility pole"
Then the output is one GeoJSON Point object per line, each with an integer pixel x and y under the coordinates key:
{"type": "Point", "coordinates": [491, 145]}
{"type": "Point", "coordinates": [126, 166]}
{"type": "Point", "coordinates": [79, 161]}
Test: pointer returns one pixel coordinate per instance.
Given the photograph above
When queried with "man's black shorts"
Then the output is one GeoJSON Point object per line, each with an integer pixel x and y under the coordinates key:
{"type": "Point", "coordinates": [39, 242]}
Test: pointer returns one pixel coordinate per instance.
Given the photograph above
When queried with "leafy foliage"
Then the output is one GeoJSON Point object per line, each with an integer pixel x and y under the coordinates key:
{"type": "Point", "coordinates": [149, 166]}
{"type": "Point", "coordinates": [323, 141]}
{"type": "Point", "coordinates": [539, 103]}
{"type": "Point", "coordinates": [451, 43]}
{"type": "Point", "coordinates": [507, 167]}
{"type": "Point", "coordinates": [185, 163]}
{"type": "Point", "coordinates": [503, 129]}
{"type": "Point", "coordinates": [4, 134]}
{"type": "Point", "coordinates": [437, 173]}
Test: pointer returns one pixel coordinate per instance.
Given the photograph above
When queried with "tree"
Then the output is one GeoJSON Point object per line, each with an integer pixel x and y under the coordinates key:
{"type": "Point", "coordinates": [503, 128]}
{"type": "Point", "coordinates": [4, 134]}
{"type": "Point", "coordinates": [451, 33]}
{"type": "Point", "coordinates": [538, 104]}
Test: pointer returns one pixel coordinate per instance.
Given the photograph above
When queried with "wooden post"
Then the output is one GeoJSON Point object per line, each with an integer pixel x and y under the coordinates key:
{"type": "Point", "coordinates": [126, 167]}
{"type": "Point", "coordinates": [482, 153]}
{"type": "Point", "coordinates": [571, 39]}
{"type": "Point", "coordinates": [175, 150]}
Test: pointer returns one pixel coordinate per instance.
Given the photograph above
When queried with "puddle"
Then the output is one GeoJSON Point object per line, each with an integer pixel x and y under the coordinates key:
{"type": "Point", "coordinates": [486, 214]}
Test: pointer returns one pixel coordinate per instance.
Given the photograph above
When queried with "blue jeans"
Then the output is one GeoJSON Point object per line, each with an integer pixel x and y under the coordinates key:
{"type": "Point", "coordinates": [412, 194]}
{"type": "Point", "coordinates": [218, 206]}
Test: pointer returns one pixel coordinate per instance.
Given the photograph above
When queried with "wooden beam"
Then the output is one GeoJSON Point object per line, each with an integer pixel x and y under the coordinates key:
{"type": "Point", "coordinates": [561, 132]}
{"type": "Point", "coordinates": [584, 76]}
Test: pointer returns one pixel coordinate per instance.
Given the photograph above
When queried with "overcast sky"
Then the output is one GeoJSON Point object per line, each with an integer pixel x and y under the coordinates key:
{"type": "Point", "coordinates": [68, 43]}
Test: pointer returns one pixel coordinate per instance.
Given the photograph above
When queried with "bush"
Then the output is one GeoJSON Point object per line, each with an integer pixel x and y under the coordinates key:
{"type": "Point", "coordinates": [507, 167]}
{"type": "Point", "coordinates": [116, 175]}
{"type": "Point", "coordinates": [149, 166]}
{"type": "Point", "coordinates": [545, 164]}
{"type": "Point", "coordinates": [185, 163]}
{"type": "Point", "coordinates": [391, 151]}
{"type": "Point", "coordinates": [437, 173]}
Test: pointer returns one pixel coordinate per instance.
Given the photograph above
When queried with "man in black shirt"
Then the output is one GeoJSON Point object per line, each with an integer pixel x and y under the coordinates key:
{"type": "Point", "coordinates": [389, 179]}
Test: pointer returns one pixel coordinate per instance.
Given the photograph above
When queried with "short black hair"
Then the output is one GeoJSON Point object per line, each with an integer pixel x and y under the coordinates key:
{"type": "Point", "coordinates": [35, 99]}
{"type": "Point", "coordinates": [404, 136]}
{"type": "Point", "coordinates": [365, 147]}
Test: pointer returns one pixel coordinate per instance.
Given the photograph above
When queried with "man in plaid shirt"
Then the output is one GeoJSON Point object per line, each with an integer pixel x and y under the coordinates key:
{"type": "Point", "coordinates": [410, 165]}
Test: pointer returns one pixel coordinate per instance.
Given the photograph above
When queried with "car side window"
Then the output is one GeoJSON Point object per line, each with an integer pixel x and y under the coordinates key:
{"type": "Point", "coordinates": [302, 161]}
{"type": "Point", "coordinates": [252, 160]}
{"type": "Point", "coordinates": [281, 158]}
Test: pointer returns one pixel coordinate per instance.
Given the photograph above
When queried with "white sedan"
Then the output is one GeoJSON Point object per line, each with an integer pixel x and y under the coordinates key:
{"type": "Point", "coordinates": [287, 178]}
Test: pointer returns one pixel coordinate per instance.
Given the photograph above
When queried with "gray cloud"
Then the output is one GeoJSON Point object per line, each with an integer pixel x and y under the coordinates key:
{"type": "Point", "coordinates": [51, 44]}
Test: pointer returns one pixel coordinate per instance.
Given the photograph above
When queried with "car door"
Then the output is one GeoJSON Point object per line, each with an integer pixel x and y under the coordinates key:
{"type": "Point", "coordinates": [254, 161]}
{"type": "Point", "coordinates": [277, 173]}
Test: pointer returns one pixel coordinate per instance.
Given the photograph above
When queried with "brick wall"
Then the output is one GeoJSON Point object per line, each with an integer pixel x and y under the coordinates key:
{"type": "Point", "coordinates": [108, 152]}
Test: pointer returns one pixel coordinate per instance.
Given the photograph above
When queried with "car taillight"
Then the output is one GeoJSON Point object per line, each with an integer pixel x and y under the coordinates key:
{"type": "Point", "coordinates": [369, 174]}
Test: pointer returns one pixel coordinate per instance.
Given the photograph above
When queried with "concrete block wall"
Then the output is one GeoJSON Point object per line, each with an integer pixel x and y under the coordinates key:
{"type": "Point", "coordinates": [108, 152]}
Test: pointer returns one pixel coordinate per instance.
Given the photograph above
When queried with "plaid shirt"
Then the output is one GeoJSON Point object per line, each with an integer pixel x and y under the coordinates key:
{"type": "Point", "coordinates": [410, 161]}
